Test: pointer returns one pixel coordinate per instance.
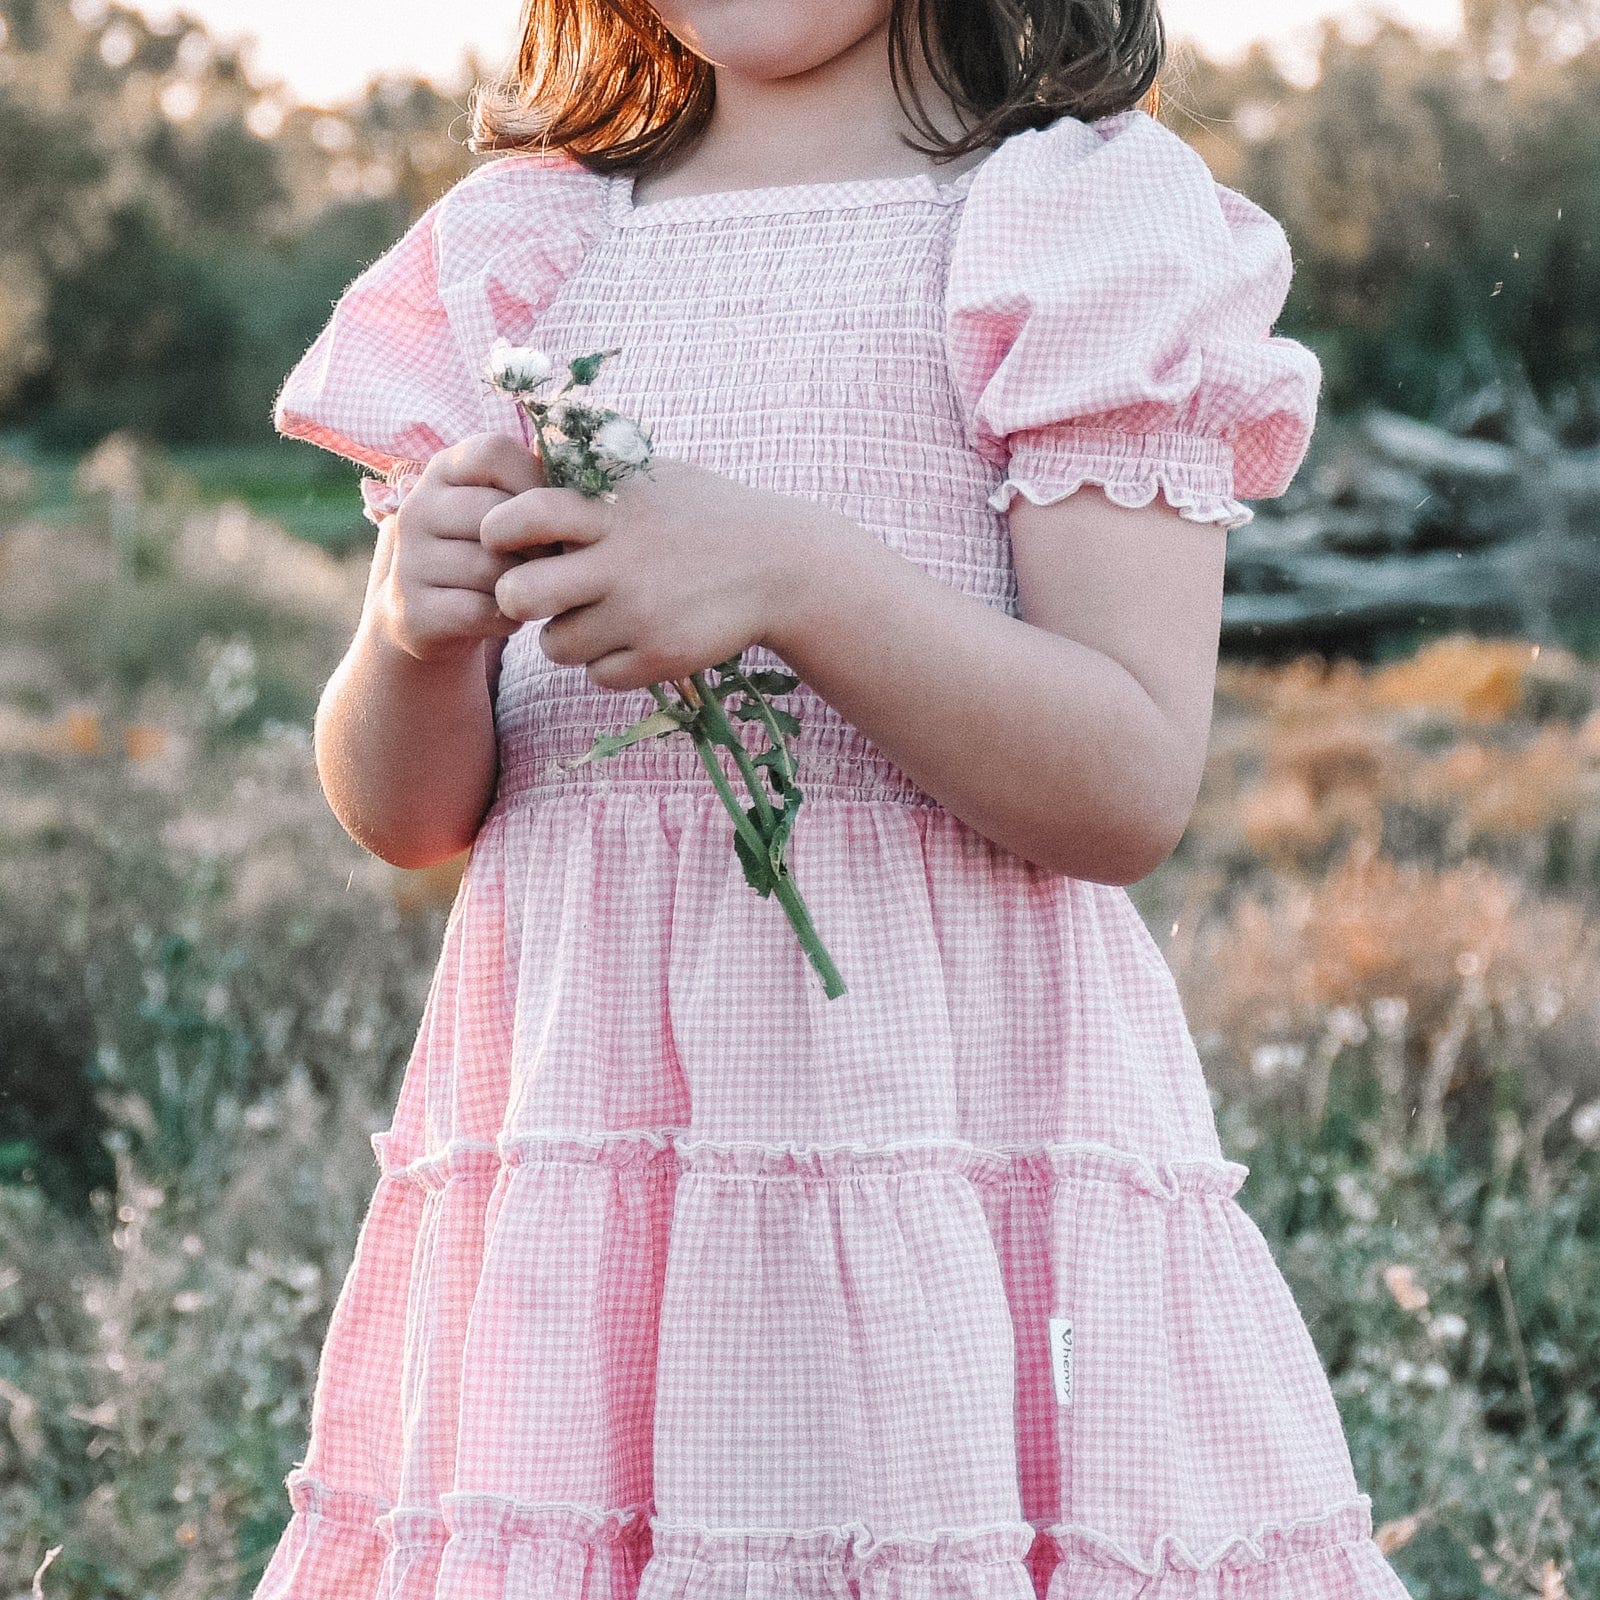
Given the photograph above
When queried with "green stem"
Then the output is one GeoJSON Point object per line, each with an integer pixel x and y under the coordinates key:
{"type": "Point", "coordinates": [810, 942]}
{"type": "Point", "coordinates": [723, 728]}
{"type": "Point", "coordinates": [544, 454]}
{"type": "Point", "coordinates": [741, 823]}
{"type": "Point", "coordinates": [774, 732]}
{"type": "Point", "coordinates": [784, 887]}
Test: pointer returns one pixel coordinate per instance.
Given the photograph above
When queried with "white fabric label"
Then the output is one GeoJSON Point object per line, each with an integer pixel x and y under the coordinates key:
{"type": "Point", "coordinates": [1061, 1357]}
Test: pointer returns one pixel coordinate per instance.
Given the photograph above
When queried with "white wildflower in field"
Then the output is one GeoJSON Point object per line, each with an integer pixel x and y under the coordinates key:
{"type": "Point", "coordinates": [1347, 1025]}
{"type": "Point", "coordinates": [1277, 1060]}
{"type": "Point", "coordinates": [1354, 1197]}
{"type": "Point", "coordinates": [1389, 1014]}
{"type": "Point", "coordinates": [1585, 1123]}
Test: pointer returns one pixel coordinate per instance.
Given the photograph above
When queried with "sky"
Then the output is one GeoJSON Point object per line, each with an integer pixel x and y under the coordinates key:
{"type": "Point", "coordinates": [325, 49]}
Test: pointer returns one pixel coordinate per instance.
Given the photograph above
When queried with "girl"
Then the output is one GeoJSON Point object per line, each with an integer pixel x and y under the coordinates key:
{"type": "Point", "coordinates": [682, 1281]}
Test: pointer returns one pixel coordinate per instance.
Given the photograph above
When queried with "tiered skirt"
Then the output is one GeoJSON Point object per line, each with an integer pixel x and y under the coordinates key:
{"type": "Point", "coordinates": [680, 1281]}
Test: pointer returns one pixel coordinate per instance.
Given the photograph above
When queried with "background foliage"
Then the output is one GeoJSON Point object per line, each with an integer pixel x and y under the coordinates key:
{"type": "Point", "coordinates": [171, 227]}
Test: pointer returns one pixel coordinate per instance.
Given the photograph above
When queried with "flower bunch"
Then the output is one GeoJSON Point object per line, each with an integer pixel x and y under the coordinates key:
{"type": "Point", "coordinates": [591, 448]}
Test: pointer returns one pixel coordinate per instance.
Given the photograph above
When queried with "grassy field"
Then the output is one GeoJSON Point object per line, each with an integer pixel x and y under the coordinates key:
{"type": "Point", "coordinates": [1382, 918]}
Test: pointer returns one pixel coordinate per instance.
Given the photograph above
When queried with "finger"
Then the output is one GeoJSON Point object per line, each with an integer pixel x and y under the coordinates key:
{"type": "Point", "coordinates": [469, 612]}
{"type": "Point", "coordinates": [547, 587]}
{"type": "Point", "coordinates": [540, 517]}
{"type": "Point", "coordinates": [620, 669]}
{"type": "Point", "coordinates": [572, 637]}
{"type": "Point", "coordinates": [461, 509]}
{"type": "Point", "coordinates": [492, 461]}
{"type": "Point", "coordinates": [465, 564]}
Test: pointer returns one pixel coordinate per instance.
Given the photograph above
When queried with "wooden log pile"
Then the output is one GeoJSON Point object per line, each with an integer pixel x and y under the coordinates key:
{"type": "Point", "coordinates": [1397, 526]}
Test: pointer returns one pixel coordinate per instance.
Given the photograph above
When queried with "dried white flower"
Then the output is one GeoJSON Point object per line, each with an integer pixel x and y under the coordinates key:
{"type": "Point", "coordinates": [517, 368]}
{"type": "Point", "coordinates": [620, 442]}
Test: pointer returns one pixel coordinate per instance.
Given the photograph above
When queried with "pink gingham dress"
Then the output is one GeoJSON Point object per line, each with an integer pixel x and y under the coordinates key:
{"type": "Point", "coordinates": [681, 1281]}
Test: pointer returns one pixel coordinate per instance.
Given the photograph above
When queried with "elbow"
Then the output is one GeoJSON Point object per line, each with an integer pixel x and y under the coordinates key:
{"type": "Point", "coordinates": [1139, 855]}
{"type": "Point", "coordinates": [1148, 836]}
{"type": "Point", "coordinates": [1144, 831]}
{"type": "Point", "coordinates": [411, 851]}
{"type": "Point", "coordinates": [1128, 844]}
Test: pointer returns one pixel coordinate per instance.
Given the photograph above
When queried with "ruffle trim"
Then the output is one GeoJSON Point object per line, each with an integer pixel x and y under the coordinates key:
{"type": "Point", "coordinates": [381, 497]}
{"type": "Point", "coordinates": [1038, 1165]}
{"type": "Point", "coordinates": [1194, 472]}
{"type": "Point", "coordinates": [1192, 506]}
{"type": "Point", "coordinates": [347, 1546]}
{"type": "Point", "coordinates": [1343, 1524]}
{"type": "Point", "coordinates": [1329, 1556]}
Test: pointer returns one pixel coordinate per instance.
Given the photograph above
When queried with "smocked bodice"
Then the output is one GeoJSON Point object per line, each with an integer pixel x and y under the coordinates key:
{"type": "Point", "coordinates": [796, 350]}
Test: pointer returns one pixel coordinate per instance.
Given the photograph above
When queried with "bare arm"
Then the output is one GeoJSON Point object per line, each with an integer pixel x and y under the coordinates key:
{"type": "Point", "coordinates": [405, 748]}
{"type": "Point", "coordinates": [1074, 735]}
{"type": "Point", "coordinates": [404, 734]}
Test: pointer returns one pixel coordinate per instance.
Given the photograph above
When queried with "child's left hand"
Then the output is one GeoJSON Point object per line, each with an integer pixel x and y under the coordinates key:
{"type": "Point", "coordinates": [684, 569]}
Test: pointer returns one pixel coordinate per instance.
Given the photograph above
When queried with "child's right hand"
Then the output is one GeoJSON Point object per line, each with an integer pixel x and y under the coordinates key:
{"type": "Point", "coordinates": [434, 598]}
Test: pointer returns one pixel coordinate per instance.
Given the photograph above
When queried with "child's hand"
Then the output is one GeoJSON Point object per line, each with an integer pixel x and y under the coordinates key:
{"type": "Point", "coordinates": [437, 598]}
{"type": "Point", "coordinates": [684, 569]}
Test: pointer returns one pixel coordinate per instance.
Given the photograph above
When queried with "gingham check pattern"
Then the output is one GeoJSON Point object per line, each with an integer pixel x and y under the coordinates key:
{"type": "Point", "coordinates": [681, 1281]}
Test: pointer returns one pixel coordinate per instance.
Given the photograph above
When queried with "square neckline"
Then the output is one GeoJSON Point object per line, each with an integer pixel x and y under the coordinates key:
{"type": "Point", "coordinates": [835, 194]}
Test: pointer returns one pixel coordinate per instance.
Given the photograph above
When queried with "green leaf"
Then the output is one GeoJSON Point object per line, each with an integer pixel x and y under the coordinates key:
{"type": "Point", "coordinates": [781, 832]}
{"type": "Point", "coordinates": [777, 771]}
{"type": "Point", "coordinates": [657, 723]}
{"type": "Point", "coordinates": [730, 665]}
{"type": "Point", "coordinates": [786, 720]}
{"type": "Point", "coordinates": [765, 682]}
{"type": "Point", "coordinates": [747, 710]}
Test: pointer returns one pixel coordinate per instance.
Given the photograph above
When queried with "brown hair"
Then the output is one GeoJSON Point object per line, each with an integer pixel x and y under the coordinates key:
{"type": "Point", "coordinates": [607, 82]}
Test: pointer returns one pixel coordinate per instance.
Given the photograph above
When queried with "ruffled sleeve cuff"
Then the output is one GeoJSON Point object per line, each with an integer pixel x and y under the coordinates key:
{"type": "Point", "coordinates": [1192, 472]}
{"type": "Point", "coordinates": [1109, 309]}
{"type": "Point", "coordinates": [381, 497]}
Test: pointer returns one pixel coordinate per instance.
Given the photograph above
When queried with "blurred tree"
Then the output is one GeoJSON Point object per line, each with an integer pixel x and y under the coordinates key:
{"type": "Point", "coordinates": [169, 226]}
{"type": "Point", "coordinates": [1439, 214]}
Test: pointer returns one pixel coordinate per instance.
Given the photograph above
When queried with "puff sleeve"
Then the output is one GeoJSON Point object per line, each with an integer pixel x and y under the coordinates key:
{"type": "Point", "coordinates": [385, 383]}
{"type": "Point", "coordinates": [396, 374]}
{"type": "Point", "coordinates": [1108, 317]}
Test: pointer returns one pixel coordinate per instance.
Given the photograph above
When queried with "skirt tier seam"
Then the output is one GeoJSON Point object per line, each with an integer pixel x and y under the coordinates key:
{"type": "Point", "coordinates": [1254, 1544]}
{"type": "Point", "coordinates": [323, 1503]}
{"type": "Point", "coordinates": [1170, 1178]}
